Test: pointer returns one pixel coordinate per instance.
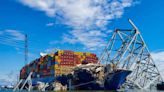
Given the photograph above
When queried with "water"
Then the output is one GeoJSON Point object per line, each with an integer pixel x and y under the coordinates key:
{"type": "Point", "coordinates": [134, 90]}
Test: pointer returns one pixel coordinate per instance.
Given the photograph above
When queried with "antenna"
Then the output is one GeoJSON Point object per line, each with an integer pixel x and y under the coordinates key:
{"type": "Point", "coordinates": [26, 49]}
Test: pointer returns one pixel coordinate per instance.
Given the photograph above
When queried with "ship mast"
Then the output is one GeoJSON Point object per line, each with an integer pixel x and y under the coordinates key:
{"type": "Point", "coordinates": [26, 49]}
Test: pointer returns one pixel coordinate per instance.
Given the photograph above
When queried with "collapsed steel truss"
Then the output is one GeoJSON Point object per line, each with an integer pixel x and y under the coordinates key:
{"type": "Point", "coordinates": [127, 49]}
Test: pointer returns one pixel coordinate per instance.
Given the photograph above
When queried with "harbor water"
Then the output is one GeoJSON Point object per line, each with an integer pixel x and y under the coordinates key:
{"type": "Point", "coordinates": [130, 90]}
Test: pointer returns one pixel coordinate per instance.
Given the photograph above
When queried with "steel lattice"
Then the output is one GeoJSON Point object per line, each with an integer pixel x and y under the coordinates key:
{"type": "Point", "coordinates": [127, 49]}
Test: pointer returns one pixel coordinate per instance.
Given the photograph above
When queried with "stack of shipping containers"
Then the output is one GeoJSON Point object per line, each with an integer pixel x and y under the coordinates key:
{"type": "Point", "coordinates": [62, 62]}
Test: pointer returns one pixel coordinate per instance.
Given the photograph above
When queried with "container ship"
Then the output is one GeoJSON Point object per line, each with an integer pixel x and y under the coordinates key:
{"type": "Point", "coordinates": [83, 68]}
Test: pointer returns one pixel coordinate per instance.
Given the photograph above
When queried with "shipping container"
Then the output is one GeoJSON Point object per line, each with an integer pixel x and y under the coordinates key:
{"type": "Point", "coordinates": [58, 63]}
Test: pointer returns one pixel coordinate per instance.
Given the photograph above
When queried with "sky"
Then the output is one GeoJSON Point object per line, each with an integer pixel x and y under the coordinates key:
{"type": "Point", "coordinates": [79, 25]}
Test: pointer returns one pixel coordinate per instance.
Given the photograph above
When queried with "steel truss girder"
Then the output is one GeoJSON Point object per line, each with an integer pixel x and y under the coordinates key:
{"type": "Point", "coordinates": [127, 49]}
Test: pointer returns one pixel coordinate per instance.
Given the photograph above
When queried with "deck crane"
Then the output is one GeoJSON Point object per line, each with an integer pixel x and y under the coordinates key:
{"type": "Point", "coordinates": [127, 50]}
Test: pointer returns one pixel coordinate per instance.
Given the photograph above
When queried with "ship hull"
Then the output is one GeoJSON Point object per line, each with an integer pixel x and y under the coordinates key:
{"type": "Point", "coordinates": [160, 86]}
{"type": "Point", "coordinates": [116, 79]}
{"type": "Point", "coordinates": [112, 82]}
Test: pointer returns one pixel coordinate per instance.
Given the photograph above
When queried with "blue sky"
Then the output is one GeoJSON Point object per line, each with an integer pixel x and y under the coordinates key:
{"type": "Point", "coordinates": [75, 25]}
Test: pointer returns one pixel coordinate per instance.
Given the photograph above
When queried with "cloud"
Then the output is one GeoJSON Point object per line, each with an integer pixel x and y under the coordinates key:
{"type": "Point", "coordinates": [4, 82]}
{"type": "Point", "coordinates": [159, 60]}
{"type": "Point", "coordinates": [54, 42]}
{"type": "Point", "coordinates": [44, 5]}
{"type": "Point", "coordinates": [83, 16]}
{"type": "Point", "coordinates": [9, 79]}
{"type": "Point", "coordinates": [91, 39]}
{"type": "Point", "coordinates": [12, 38]}
{"type": "Point", "coordinates": [127, 3]}
{"type": "Point", "coordinates": [50, 24]}
{"type": "Point", "coordinates": [50, 50]}
{"type": "Point", "coordinates": [81, 13]}
{"type": "Point", "coordinates": [13, 34]}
